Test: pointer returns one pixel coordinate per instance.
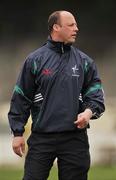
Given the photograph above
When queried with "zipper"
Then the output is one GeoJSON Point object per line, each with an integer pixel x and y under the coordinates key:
{"type": "Point", "coordinates": [62, 49]}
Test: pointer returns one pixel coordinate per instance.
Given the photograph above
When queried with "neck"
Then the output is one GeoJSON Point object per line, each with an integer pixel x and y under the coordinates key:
{"type": "Point", "coordinates": [56, 38]}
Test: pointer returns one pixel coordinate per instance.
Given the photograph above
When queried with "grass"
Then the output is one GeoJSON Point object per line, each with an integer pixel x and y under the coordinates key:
{"type": "Point", "coordinates": [102, 173]}
{"type": "Point", "coordinates": [95, 173]}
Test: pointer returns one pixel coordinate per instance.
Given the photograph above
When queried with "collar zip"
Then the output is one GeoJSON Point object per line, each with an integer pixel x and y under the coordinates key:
{"type": "Point", "coordinates": [62, 48]}
{"type": "Point", "coordinates": [58, 46]}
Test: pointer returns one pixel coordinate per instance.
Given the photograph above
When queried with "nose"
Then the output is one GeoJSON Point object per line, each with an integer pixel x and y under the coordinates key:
{"type": "Point", "coordinates": [76, 28]}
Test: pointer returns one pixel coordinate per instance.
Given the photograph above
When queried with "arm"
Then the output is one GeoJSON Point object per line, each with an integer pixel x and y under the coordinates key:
{"type": "Point", "coordinates": [92, 92]}
{"type": "Point", "coordinates": [20, 106]}
{"type": "Point", "coordinates": [92, 105]}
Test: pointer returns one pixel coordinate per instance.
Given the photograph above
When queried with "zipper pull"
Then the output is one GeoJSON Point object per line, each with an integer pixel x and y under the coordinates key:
{"type": "Point", "coordinates": [62, 48]}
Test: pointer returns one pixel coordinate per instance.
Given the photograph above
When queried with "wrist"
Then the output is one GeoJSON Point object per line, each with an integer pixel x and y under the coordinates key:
{"type": "Point", "coordinates": [17, 134]}
{"type": "Point", "coordinates": [89, 112]}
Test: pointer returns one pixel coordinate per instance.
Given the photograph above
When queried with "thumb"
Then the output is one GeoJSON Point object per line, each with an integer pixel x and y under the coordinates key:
{"type": "Point", "coordinates": [23, 148]}
{"type": "Point", "coordinates": [78, 117]}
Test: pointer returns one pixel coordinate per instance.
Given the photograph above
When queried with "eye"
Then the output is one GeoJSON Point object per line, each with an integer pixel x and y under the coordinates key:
{"type": "Point", "coordinates": [72, 24]}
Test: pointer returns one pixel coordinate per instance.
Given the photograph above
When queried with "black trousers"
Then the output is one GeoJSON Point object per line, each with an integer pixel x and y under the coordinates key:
{"type": "Point", "coordinates": [70, 148]}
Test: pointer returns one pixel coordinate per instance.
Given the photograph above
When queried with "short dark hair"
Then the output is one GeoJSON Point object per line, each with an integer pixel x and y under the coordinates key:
{"type": "Point", "coordinates": [53, 19]}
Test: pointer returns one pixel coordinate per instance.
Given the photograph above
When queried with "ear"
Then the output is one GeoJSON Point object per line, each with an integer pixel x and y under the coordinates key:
{"type": "Point", "coordinates": [56, 27]}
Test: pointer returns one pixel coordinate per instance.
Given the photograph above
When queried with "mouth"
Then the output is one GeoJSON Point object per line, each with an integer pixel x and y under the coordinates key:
{"type": "Point", "coordinates": [74, 35]}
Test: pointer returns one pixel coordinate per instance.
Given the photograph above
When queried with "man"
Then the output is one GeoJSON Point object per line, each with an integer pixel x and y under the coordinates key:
{"type": "Point", "coordinates": [61, 88]}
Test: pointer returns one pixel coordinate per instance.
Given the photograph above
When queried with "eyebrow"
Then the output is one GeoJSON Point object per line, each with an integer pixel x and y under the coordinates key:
{"type": "Point", "coordinates": [72, 24]}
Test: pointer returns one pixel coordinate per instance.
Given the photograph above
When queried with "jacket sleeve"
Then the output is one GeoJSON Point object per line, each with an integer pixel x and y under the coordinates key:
{"type": "Point", "coordinates": [92, 93]}
{"type": "Point", "coordinates": [22, 98]}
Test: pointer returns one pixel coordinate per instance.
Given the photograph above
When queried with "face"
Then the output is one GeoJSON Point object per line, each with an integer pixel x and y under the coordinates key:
{"type": "Point", "coordinates": [67, 28]}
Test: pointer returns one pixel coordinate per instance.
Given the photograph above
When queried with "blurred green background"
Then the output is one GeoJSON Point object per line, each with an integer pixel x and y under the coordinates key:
{"type": "Point", "coordinates": [23, 28]}
{"type": "Point", "coordinates": [95, 173]}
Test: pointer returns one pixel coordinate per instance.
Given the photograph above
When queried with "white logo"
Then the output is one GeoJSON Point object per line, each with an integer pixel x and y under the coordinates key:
{"type": "Point", "coordinates": [75, 71]}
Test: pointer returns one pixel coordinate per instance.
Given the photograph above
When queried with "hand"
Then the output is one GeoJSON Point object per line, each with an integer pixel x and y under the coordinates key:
{"type": "Point", "coordinates": [83, 119]}
{"type": "Point", "coordinates": [18, 145]}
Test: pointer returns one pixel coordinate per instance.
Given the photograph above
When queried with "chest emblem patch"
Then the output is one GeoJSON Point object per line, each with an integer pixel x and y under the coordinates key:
{"type": "Point", "coordinates": [75, 71]}
{"type": "Point", "coordinates": [46, 72]}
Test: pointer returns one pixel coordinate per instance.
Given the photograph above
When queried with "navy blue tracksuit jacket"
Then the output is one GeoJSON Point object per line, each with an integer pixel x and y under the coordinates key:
{"type": "Point", "coordinates": [56, 83]}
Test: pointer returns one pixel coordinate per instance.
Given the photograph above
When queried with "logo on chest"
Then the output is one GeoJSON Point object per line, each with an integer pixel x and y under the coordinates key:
{"type": "Point", "coordinates": [75, 71]}
{"type": "Point", "coordinates": [46, 72]}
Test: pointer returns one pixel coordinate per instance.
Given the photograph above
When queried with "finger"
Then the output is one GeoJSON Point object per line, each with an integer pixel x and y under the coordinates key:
{"type": "Point", "coordinates": [75, 122]}
{"type": "Point", "coordinates": [23, 148]}
{"type": "Point", "coordinates": [79, 125]}
{"type": "Point", "coordinates": [82, 125]}
{"type": "Point", "coordinates": [17, 151]}
{"type": "Point", "coordinates": [79, 121]}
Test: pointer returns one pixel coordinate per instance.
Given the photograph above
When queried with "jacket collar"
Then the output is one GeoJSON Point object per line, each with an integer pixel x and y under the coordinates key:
{"type": "Point", "coordinates": [59, 47]}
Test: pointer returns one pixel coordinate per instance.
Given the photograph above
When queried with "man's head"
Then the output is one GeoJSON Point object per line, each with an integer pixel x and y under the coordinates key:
{"type": "Point", "coordinates": [62, 27]}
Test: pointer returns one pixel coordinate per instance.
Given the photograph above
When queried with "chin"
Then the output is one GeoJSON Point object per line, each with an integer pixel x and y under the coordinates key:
{"type": "Point", "coordinates": [72, 41]}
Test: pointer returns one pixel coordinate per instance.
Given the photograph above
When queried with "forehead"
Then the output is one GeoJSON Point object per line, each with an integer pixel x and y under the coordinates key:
{"type": "Point", "coordinates": [66, 17]}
